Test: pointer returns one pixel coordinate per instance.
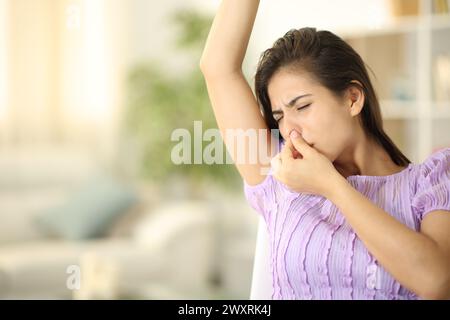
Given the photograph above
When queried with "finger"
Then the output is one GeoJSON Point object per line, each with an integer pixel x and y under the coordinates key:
{"type": "Point", "coordinates": [276, 163]}
{"type": "Point", "coordinates": [277, 167]}
{"type": "Point", "coordinates": [286, 151]}
{"type": "Point", "coordinates": [289, 151]}
{"type": "Point", "coordinates": [299, 143]}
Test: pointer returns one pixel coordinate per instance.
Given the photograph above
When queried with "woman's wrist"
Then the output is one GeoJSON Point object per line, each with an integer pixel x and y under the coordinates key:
{"type": "Point", "coordinates": [335, 186]}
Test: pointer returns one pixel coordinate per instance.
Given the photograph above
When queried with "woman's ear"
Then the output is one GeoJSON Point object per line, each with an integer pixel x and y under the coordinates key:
{"type": "Point", "coordinates": [355, 98]}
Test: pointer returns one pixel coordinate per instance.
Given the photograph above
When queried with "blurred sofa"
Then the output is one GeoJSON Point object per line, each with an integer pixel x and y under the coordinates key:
{"type": "Point", "coordinates": [150, 248]}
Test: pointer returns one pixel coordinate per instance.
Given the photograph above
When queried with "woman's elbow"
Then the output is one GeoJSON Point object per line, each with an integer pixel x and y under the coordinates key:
{"type": "Point", "coordinates": [203, 65]}
{"type": "Point", "coordinates": [438, 288]}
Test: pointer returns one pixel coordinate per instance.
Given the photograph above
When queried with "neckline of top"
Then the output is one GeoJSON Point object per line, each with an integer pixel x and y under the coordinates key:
{"type": "Point", "coordinates": [354, 177]}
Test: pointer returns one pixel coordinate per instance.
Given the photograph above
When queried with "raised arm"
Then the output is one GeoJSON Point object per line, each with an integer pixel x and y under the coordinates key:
{"type": "Point", "coordinates": [232, 99]}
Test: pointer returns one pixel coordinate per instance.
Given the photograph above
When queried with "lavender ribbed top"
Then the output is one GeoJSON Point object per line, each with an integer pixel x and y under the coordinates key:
{"type": "Point", "coordinates": [315, 254]}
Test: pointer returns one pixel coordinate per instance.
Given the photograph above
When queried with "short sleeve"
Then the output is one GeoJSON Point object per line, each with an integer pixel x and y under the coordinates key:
{"type": "Point", "coordinates": [261, 197]}
{"type": "Point", "coordinates": [433, 184]}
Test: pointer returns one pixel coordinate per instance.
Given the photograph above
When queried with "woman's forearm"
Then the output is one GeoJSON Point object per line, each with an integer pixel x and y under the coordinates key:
{"type": "Point", "coordinates": [229, 36]}
{"type": "Point", "coordinates": [410, 256]}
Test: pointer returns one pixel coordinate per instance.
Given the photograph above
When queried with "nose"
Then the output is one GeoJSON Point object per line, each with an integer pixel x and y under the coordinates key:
{"type": "Point", "coordinates": [288, 126]}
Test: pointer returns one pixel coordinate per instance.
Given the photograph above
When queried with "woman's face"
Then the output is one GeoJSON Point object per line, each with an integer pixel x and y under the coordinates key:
{"type": "Point", "coordinates": [325, 122]}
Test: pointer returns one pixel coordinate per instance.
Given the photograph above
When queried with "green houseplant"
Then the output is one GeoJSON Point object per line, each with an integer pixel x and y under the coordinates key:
{"type": "Point", "coordinates": [159, 103]}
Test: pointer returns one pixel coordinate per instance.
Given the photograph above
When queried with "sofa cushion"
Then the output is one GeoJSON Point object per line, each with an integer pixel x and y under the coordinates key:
{"type": "Point", "coordinates": [89, 211]}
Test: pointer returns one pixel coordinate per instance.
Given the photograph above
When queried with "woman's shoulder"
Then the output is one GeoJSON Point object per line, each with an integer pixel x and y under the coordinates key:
{"type": "Point", "coordinates": [434, 170]}
{"type": "Point", "coordinates": [438, 163]}
{"type": "Point", "coordinates": [268, 185]}
{"type": "Point", "coordinates": [432, 186]}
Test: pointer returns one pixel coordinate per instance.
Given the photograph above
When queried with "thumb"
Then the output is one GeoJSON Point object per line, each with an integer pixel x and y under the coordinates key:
{"type": "Point", "coordinates": [299, 143]}
{"type": "Point", "coordinates": [288, 149]}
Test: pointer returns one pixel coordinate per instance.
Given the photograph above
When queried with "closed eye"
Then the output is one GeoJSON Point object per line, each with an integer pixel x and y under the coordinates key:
{"type": "Point", "coordinates": [278, 118]}
{"type": "Point", "coordinates": [300, 108]}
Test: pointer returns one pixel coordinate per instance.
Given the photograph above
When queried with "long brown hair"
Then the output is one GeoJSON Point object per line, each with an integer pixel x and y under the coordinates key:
{"type": "Point", "coordinates": [334, 64]}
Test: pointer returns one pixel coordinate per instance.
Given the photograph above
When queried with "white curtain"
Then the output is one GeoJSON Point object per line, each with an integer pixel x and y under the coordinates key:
{"type": "Point", "coordinates": [66, 69]}
{"type": "Point", "coordinates": [3, 69]}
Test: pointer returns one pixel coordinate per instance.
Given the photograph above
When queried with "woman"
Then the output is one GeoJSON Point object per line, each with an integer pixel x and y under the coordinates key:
{"type": "Point", "coordinates": [348, 215]}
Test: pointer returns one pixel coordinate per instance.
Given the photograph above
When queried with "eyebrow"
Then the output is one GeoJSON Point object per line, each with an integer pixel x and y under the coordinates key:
{"type": "Point", "coordinates": [292, 103]}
